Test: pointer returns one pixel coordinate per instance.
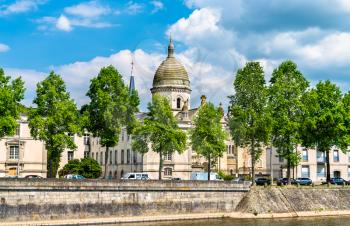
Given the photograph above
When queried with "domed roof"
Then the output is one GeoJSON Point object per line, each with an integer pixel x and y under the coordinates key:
{"type": "Point", "coordinates": [171, 72]}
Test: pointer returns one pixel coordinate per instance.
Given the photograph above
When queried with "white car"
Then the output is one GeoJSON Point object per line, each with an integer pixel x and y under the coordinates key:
{"type": "Point", "coordinates": [135, 176]}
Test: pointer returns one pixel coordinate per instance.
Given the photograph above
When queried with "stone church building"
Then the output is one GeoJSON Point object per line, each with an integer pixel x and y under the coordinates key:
{"type": "Point", "coordinates": [172, 81]}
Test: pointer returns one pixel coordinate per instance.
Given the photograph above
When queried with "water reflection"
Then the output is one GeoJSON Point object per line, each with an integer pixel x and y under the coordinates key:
{"type": "Point", "coordinates": [328, 221]}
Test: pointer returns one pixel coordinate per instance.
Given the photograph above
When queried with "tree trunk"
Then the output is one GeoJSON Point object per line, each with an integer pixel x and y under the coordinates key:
{"type": "Point", "coordinates": [106, 160]}
{"type": "Point", "coordinates": [252, 154]}
{"type": "Point", "coordinates": [288, 171]}
{"type": "Point", "coordinates": [209, 165]}
{"type": "Point", "coordinates": [160, 165]}
{"type": "Point", "coordinates": [328, 167]}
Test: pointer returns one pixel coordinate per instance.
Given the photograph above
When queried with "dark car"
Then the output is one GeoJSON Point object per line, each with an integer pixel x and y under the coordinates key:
{"type": "Point", "coordinates": [303, 181]}
{"type": "Point", "coordinates": [339, 181]}
{"type": "Point", "coordinates": [284, 181]}
{"type": "Point", "coordinates": [262, 181]}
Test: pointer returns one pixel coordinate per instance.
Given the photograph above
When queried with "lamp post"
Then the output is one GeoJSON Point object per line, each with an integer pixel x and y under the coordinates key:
{"type": "Point", "coordinates": [19, 147]}
{"type": "Point", "coordinates": [271, 171]}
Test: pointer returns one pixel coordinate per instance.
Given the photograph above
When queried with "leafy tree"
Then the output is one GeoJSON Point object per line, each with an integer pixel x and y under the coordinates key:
{"type": "Point", "coordinates": [11, 93]}
{"type": "Point", "coordinates": [288, 85]}
{"type": "Point", "coordinates": [208, 136]}
{"type": "Point", "coordinates": [326, 121]}
{"type": "Point", "coordinates": [54, 119]}
{"type": "Point", "coordinates": [86, 167]}
{"type": "Point", "coordinates": [249, 119]}
{"type": "Point", "coordinates": [111, 107]}
{"type": "Point", "coordinates": [161, 130]}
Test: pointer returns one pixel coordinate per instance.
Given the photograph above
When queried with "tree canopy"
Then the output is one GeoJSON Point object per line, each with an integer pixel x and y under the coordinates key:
{"type": "Point", "coordinates": [208, 136]}
{"type": "Point", "coordinates": [325, 121]}
{"type": "Point", "coordinates": [288, 86]}
{"type": "Point", "coordinates": [110, 108]}
{"type": "Point", "coordinates": [249, 118]}
{"type": "Point", "coordinates": [54, 119]}
{"type": "Point", "coordinates": [87, 167]}
{"type": "Point", "coordinates": [160, 129]}
{"type": "Point", "coordinates": [11, 94]}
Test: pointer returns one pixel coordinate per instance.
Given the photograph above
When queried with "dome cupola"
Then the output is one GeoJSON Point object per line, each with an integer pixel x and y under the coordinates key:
{"type": "Point", "coordinates": [171, 80]}
{"type": "Point", "coordinates": [171, 72]}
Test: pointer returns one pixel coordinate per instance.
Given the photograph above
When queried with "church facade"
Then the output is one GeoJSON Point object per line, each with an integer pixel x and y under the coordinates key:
{"type": "Point", "coordinates": [171, 80]}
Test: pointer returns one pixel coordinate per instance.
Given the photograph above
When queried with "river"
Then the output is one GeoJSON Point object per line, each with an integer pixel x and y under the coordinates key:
{"type": "Point", "coordinates": [320, 221]}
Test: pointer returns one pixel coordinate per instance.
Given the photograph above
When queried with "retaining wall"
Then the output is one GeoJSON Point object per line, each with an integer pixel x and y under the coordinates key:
{"type": "Point", "coordinates": [22, 200]}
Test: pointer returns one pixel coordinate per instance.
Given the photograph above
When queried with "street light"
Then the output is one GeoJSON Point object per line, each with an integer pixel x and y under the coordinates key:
{"type": "Point", "coordinates": [271, 171]}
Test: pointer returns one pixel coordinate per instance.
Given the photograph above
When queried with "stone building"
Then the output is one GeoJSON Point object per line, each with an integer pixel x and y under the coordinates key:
{"type": "Point", "coordinates": [172, 81]}
{"type": "Point", "coordinates": [22, 155]}
{"type": "Point", "coordinates": [312, 164]}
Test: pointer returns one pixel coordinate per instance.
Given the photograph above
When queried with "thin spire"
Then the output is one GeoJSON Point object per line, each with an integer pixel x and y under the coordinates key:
{"type": "Point", "coordinates": [171, 47]}
{"type": "Point", "coordinates": [132, 81]}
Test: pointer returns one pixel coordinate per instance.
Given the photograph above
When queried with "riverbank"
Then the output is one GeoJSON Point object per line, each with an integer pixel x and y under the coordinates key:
{"type": "Point", "coordinates": [178, 217]}
{"type": "Point", "coordinates": [53, 202]}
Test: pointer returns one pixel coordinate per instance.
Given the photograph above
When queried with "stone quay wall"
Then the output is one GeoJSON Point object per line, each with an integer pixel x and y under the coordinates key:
{"type": "Point", "coordinates": [28, 200]}
{"type": "Point", "coordinates": [295, 201]}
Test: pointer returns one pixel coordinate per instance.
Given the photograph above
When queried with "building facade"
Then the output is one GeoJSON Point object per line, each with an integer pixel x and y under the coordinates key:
{"type": "Point", "coordinates": [312, 164]}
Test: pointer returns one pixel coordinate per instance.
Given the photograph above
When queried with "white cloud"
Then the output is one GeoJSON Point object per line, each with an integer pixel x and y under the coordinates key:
{"type": "Point", "coordinates": [63, 24]}
{"type": "Point", "coordinates": [30, 77]}
{"type": "Point", "coordinates": [134, 8]}
{"type": "Point", "coordinates": [157, 6]}
{"type": "Point", "coordinates": [4, 48]}
{"type": "Point", "coordinates": [21, 6]}
{"type": "Point", "coordinates": [87, 9]}
{"type": "Point", "coordinates": [86, 14]}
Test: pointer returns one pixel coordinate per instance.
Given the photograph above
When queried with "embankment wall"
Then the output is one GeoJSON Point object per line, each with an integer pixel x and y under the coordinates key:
{"type": "Point", "coordinates": [27, 200]}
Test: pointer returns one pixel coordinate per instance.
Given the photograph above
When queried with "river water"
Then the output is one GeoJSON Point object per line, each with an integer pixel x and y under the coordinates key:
{"type": "Point", "coordinates": [320, 221]}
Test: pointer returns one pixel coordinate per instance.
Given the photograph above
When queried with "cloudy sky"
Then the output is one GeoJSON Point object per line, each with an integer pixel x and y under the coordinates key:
{"type": "Point", "coordinates": [212, 39]}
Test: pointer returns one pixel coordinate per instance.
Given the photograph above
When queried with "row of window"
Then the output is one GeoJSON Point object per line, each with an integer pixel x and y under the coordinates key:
{"type": "Point", "coordinates": [321, 171]}
{"type": "Point", "coordinates": [114, 159]}
{"type": "Point", "coordinates": [321, 156]}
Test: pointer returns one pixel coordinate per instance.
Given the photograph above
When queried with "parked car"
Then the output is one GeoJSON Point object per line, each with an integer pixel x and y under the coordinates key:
{"type": "Point", "coordinates": [135, 176]}
{"type": "Point", "coordinates": [303, 181]}
{"type": "Point", "coordinates": [74, 177]}
{"type": "Point", "coordinates": [240, 180]}
{"type": "Point", "coordinates": [262, 181]}
{"type": "Point", "coordinates": [339, 181]}
{"type": "Point", "coordinates": [204, 176]}
{"type": "Point", "coordinates": [33, 176]}
{"type": "Point", "coordinates": [284, 181]}
{"type": "Point", "coordinates": [176, 178]}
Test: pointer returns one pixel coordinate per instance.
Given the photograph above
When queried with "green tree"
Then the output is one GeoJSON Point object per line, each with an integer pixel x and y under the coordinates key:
{"type": "Point", "coordinates": [326, 120]}
{"type": "Point", "coordinates": [208, 136]}
{"type": "Point", "coordinates": [11, 94]}
{"type": "Point", "coordinates": [249, 119]}
{"type": "Point", "coordinates": [288, 85]}
{"type": "Point", "coordinates": [54, 119]}
{"type": "Point", "coordinates": [160, 129]}
{"type": "Point", "coordinates": [87, 167]}
{"type": "Point", "coordinates": [111, 108]}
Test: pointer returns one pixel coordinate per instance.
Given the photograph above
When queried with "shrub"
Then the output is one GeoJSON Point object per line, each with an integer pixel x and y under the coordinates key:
{"type": "Point", "coordinates": [86, 167]}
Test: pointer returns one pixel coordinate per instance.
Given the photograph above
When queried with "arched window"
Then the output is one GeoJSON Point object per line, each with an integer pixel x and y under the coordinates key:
{"type": "Point", "coordinates": [121, 173]}
{"type": "Point", "coordinates": [116, 174]}
{"type": "Point", "coordinates": [178, 103]}
{"type": "Point", "coordinates": [96, 156]}
{"type": "Point", "coordinates": [110, 175]}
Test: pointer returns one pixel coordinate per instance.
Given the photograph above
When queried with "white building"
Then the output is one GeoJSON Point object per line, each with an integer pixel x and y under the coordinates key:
{"type": "Point", "coordinates": [312, 164]}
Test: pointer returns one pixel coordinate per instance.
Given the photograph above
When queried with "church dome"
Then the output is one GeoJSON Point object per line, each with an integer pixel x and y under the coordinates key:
{"type": "Point", "coordinates": [171, 72]}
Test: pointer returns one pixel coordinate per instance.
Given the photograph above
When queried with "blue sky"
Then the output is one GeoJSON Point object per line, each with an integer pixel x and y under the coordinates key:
{"type": "Point", "coordinates": [212, 39]}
